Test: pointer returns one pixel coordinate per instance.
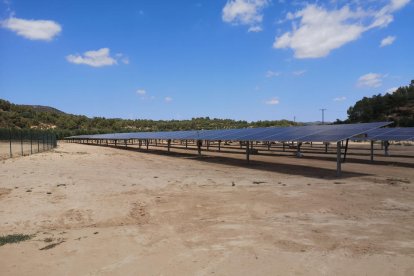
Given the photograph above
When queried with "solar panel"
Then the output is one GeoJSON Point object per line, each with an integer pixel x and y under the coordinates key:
{"type": "Point", "coordinates": [390, 134]}
{"type": "Point", "coordinates": [314, 133]}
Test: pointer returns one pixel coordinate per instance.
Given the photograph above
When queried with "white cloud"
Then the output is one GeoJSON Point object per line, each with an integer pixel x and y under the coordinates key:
{"type": "Point", "coordinates": [271, 74]}
{"type": "Point", "coordinates": [370, 80]}
{"type": "Point", "coordinates": [168, 99]}
{"type": "Point", "coordinates": [32, 29]}
{"type": "Point", "coordinates": [387, 41]}
{"type": "Point", "coordinates": [255, 29]}
{"type": "Point", "coordinates": [299, 73]}
{"type": "Point", "coordinates": [319, 30]}
{"type": "Point", "coordinates": [96, 58]}
{"type": "Point", "coordinates": [245, 12]}
{"type": "Point", "coordinates": [339, 99]}
{"type": "Point", "coordinates": [272, 101]}
{"type": "Point", "coordinates": [141, 92]}
{"type": "Point", "coordinates": [391, 90]}
{"type": "Point", "coordinates": [384, 16]}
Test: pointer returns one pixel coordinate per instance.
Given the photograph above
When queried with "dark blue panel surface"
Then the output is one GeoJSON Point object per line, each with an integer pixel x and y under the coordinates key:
{"type": "Point", "coordinates": [389, 134]}
{"type": "Point", "coordinates": [314, 133]}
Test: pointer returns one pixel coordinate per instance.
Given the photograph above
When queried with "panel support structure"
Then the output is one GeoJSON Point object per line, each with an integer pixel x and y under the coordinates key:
{"type": "Point", "coordinates": [199, 144]}
{"type": "Point", "coordinates": [386, 144]}
{"type": "Point", "coordinates": [247, 152]}
{"type": "Point", "coordinates": [346, 150]}
{"type": "Point", "coordinates": [298, 153]}
{"type": "Point", "coordinates": [338, 159]}
{"type": "Point", "coordinates": [372, 151]}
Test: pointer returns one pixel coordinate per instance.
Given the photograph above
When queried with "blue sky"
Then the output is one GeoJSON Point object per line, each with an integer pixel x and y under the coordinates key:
{"type": "Point", "coordinates": [240, 59]}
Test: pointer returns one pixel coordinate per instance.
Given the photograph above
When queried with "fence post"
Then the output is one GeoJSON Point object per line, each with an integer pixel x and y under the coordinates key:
{"type": "Point", "coordinates": [43, 140]}
{"type": "Point", "coordinates": [38, 142]}
{"type": "Point", "coordinates": [31, 143]}
{"type": "Point", "coordinates": [10, 140]}
{"type": "Point", "coordinates": [21, 141]}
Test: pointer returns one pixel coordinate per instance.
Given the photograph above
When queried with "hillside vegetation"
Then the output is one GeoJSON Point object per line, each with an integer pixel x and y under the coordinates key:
{"type": "Point", "coordinates": [43, 117]}
{"type": "Point", "coordinates": [397, 106]}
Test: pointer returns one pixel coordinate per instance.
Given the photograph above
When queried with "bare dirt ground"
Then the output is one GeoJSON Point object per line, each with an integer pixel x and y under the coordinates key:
{"type": "Point", "coordinates": [106, 211]}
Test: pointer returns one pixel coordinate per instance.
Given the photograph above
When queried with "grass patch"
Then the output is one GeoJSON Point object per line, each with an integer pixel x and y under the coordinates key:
{"type": "Point", "coordinates": [14, 238]}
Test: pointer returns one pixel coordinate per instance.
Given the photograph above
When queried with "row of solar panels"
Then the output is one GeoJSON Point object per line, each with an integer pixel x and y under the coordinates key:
{"type": "Point", "coordinates": [314, 133]}
{"type": "Point", "coordinates": [390, 134]}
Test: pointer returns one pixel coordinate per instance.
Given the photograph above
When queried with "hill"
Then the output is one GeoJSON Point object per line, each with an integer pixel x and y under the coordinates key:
{"type": "Point", "coordinates": [397, 106]}
{"type": "Point", "coordinates": [63, 124]}
{"type": "Point", "coordinates": [42, 108]}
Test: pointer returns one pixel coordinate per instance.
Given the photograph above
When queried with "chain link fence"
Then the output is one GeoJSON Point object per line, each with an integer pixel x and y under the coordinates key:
{"type": "Point", "coordinates": [21, 142]}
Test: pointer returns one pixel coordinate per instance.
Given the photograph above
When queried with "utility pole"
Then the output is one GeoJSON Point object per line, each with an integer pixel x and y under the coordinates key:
{"type": "Point", "coordinates": [323, 115]}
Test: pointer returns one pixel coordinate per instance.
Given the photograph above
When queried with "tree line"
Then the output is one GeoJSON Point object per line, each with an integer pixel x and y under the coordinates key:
{"type": "Point", "coordinates": [397, 106]}
{"type": "Point", "coordinates": [62, 124]}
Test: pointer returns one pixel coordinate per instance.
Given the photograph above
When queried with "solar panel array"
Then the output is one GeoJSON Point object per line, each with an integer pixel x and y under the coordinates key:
{"type": "Point", "coordinates": [390, 134]}
{"type": "Point", "coordinates": [313, 133]}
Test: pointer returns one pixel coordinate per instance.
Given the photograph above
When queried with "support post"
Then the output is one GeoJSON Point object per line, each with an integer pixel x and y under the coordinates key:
{"type": "Point", "coordinates": [269, 145]}
{"type": "Point", "coordinates": [298, 153]}
{"type": "Point", "coordinates": [326, 147]}
{"type": "Point", "coordinates": [247, 152]}
{"type": "Point", "coordinates": [147, 143]}
{"type": "Point", "coordinates": [169, 144]}
{"type": "Point", "coordinates": [283, 144]}
{"type": "Point", "coordinates": [186, 144]}
{"type": "Point", "coordinates": [208, 145]}
{"type": "Point", "coordinates": [386, 144]}
{"type": "Point", "coordinates": [372, 151]}
{"type": "Point", "coordinates": [219, 142]}
{"type": "Point", "coordinates": [346, 150]}
{"type": "Point", "coordinates": [338, 159]}
{"type": "Point", "coordinates": [199, 144]}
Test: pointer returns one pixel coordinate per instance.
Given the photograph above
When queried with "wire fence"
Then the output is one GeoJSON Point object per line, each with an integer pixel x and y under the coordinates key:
{"type": "Point", "coordinates": [21, 142]}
